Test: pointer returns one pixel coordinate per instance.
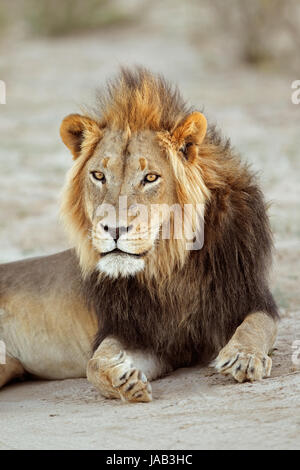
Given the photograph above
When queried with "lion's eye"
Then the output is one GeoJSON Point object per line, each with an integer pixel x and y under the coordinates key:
{"type": "Point", "coordinates": [150, 178]}
{"type": "Point", "coordinates": [98, 175]}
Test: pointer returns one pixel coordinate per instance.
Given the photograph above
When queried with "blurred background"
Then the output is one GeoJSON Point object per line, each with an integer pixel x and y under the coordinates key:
{"type": "Point", "coordinates": [237, 59]}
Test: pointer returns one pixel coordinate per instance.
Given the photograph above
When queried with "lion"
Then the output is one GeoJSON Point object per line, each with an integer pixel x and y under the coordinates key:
{"type": "Point", "coordinates": [126, 306]}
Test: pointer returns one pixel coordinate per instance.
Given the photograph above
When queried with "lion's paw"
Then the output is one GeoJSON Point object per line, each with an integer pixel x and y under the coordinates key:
{"type": "Point", "coordinates": [117, 377]}
{"type": "Point", "coordinates": [132, 384]}
{"type": "Point", "coordinates": [243, 366]}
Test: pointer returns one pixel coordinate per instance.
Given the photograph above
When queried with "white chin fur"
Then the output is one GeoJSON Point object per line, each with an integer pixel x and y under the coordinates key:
{"type": "Point", "coordinates": [115, 265]}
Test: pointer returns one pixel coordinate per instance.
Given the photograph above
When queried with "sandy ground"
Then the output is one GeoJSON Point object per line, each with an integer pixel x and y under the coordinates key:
{"type": "Point", "coordinates": [193, 408]}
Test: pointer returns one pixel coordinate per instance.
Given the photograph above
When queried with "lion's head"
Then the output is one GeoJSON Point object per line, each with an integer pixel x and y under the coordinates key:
{"type": "Point", "coordinates": [136, 156]}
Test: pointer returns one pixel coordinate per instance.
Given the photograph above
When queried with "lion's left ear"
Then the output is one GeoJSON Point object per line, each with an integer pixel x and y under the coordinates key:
{"type": "Point", "coordinates": [76, 129]}
{"type": "Point", "coordinates": [190, 132]}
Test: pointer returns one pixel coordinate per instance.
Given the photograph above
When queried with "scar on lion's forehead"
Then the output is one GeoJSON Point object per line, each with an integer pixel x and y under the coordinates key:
{"type": "Point", "coordinates": [143, 163]}
{"type": "Point", "coordinates": [105, 162]}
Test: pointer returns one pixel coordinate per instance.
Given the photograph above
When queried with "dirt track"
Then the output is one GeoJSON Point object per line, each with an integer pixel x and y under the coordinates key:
{"type": "Point", "coordinates": [193, 408]}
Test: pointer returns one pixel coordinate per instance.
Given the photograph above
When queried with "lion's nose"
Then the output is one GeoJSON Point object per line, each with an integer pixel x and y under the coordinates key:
{"type": "Point", "coordinates": [116, 232]}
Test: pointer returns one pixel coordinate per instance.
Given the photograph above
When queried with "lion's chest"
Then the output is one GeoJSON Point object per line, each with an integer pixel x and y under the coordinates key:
{"type": "Point", "coordinates": [140, 319]}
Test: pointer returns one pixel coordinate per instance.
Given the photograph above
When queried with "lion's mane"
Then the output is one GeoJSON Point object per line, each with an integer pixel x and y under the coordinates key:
{"type": "Point", "coordinates": [189, 304]}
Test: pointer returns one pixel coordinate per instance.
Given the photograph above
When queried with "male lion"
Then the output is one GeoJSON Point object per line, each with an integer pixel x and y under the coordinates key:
{"type": "Point", "coordinates": [145, 305]}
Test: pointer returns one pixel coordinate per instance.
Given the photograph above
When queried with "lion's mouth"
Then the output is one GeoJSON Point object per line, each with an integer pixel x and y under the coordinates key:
{"type": "Point", "coordinates": [117, 251]}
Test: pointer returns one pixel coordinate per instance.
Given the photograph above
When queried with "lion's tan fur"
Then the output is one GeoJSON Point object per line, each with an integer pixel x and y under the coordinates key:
{"type": "Point", "coordinates": [184, 306]}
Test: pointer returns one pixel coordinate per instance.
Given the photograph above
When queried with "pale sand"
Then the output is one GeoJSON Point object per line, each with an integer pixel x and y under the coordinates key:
{"type": "Point", "coordinates": [192, 409]}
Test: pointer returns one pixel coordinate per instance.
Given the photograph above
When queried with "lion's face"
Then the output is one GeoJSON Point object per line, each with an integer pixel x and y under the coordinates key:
{"type": "Point", "coordinates": [126, 183]}
{"type": "Point", "coordinates": [124, 190]}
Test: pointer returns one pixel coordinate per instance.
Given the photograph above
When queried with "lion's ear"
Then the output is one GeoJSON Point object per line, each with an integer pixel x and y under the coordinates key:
{"type": "Point", "coordinates": [75, 129]}
{"type": "Point", "coordinates": [189, 133]}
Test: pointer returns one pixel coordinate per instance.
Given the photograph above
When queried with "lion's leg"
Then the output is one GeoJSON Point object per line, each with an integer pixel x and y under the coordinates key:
{"type": "Point", "coordinates": [123, 374]}
{"type": "Point", "coordinates": [11, 370]}
{"type": "Point", "coordinates": [245, 356]}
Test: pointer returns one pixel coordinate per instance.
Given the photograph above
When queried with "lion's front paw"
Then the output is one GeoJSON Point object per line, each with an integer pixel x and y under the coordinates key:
{"type": "Point", "coordinates": [132, 384]}
{"type": "Point", "coordinates": [243, 365]}
{"type": "Point", "coordinates": [117, 378]}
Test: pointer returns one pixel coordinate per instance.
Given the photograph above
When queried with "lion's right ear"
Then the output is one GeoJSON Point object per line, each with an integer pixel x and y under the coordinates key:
{"type": "Point", "coordinates": [76, 130]}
